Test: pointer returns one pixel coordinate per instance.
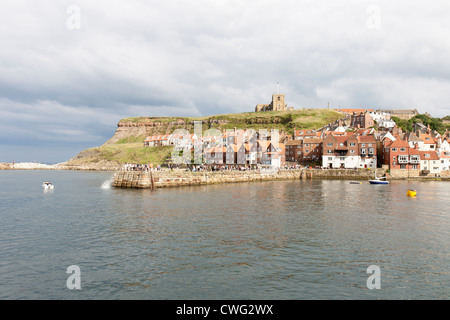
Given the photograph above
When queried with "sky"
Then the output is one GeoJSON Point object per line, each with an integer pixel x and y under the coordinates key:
{"type": "Point", "coordinates": [70, 70]}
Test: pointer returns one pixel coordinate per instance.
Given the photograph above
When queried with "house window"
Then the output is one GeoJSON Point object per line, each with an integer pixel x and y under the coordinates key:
{"type": "Point", "coordinates": [394, 149]}
{"type": "Point", "coordinates": [363, 151]}
{"type": "Point", "coordinates": [307, 150]}
{"type": "Point", "coordinates": [352, 151]}
{"type": "Point", "coordinates": [329, 151]}
{"type": "Point", "coordinates": [403, 159]}
{"type": "Point", "coordinates": [414, 159]}
{"type": "Point", "coordinates": [402, 149]}
{"type": "Point", "coordinates": [330, 159]}
{"type": "Point", "coordinates": [403, 166]}
{"type": "Point", "coordinates": [352, 144]}
{"type": "Point", "coordinates": [342, 159]}
{"type": "Point", "coordinates": [415, 166]}
{"type": "Point", "coordinates": [329, 144]}
{"type": "Point", "coordinates": [370, 144]}
{"type": "Point", "coordinates": [371, 150]}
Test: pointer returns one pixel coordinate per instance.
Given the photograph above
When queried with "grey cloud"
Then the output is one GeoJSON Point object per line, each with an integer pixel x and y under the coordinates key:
{"type": "Point", "coordinates": [192, 58]}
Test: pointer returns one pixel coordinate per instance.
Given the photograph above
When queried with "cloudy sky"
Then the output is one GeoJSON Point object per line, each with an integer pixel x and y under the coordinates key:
{"type": "Point", "coordinates": [70, 70]}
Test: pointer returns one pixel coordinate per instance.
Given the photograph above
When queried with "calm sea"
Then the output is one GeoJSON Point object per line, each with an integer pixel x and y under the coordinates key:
{"type": "Point", "coordinates": [268, 240]}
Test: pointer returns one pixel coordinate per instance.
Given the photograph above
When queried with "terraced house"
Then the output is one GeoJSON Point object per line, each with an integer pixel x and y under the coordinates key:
{"type": "Point", "coordinates": [349, 150]}
{"type": "Point", "coordinates": [399, 155]}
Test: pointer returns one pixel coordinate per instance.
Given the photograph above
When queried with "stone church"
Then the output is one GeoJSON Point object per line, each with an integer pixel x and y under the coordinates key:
{"type": "Point", "coordinates": [278, 104]}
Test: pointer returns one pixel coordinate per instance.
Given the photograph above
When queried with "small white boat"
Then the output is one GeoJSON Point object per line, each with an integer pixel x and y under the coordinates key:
{"type": "Point", "coordinates": [47, 185]}
{"type": "Point", "coordinates": [378, 180]}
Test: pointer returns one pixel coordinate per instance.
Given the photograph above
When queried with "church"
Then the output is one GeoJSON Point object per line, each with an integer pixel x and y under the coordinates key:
{"type": "Point", "coordinates": [278, 104]}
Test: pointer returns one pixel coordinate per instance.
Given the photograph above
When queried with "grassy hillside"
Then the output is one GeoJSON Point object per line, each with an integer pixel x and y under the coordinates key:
{"type": "Point", "coordinates": [283, 120]}
{"type": "Point", "coordinates": [115, 155]}
{"type": "Point", "coordinates": [127, 143]}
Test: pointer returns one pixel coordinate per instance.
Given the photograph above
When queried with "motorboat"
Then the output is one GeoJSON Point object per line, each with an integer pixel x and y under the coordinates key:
{"type": "Point", "coordinates": [47, 185]}
{"type": "Point", "coordinates": [379, 180]}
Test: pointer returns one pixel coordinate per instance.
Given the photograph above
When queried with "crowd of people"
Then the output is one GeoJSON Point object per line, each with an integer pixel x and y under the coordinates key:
{"type": "Point", "coordinates": [140, 167]}
{"type": "Point", "coordinates": [202, 168]}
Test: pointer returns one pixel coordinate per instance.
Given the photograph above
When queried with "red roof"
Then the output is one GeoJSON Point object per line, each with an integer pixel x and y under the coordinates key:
{"type": "Point", "coordinates": [399, 144]}
{"type": "Point", "coordinates": [367, 139]}
{"type": "Point", "coordinates": [428, 155]}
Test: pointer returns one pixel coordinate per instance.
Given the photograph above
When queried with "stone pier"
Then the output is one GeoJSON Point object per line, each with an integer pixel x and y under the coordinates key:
{"type": "Point", "coordinates": [164, 179]}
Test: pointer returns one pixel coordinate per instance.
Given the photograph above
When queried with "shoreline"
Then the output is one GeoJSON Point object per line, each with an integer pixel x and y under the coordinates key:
{"type": "Point", "coordinates": [29, 166]}
{"type": "Point", "coordinates": [286, 174]}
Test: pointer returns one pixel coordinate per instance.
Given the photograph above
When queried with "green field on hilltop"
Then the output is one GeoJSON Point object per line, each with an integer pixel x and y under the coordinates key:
{"type": "Point", "coordinates": [282, 120]}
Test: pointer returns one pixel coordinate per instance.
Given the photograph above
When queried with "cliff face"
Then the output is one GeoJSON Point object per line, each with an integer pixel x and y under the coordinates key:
{"type": "Point", "coordinates": [128, 129]}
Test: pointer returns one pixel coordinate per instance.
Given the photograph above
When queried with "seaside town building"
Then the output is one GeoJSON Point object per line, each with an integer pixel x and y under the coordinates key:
{"type": "Point", "coordinates": [362, 120]}
{"type": "Point", "coordinates": [302, 134]}
{"type": "Point", "coordinates": [386, 124]}
{"type": "Point", "coordinates": [399, 155]}
{"type": "Point", "coordinates": [294, 151]}
{"type": "Point", "coordinates": [430, 162]}
{"type": "Point", "coordinates": [404, 114]}
{"type": "Point", "coordinates": [304, 150]}
{"type": "Point", "coordinates": [349, 150]}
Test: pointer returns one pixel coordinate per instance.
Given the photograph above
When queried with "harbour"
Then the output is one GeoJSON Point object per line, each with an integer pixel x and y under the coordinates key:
{"type": "Point", "coordinates": [290, 239]}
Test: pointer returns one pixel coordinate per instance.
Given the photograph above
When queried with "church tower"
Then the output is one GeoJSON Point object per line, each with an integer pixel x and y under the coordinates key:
{"type": "Point", "coordinates": [278, 103]}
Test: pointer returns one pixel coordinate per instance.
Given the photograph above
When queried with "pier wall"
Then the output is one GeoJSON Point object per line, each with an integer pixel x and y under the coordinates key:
{"type": "Point", "coordinates": [164, 179]}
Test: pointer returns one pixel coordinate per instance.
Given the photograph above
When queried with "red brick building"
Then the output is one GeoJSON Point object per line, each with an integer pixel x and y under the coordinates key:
{"type": "Point", "coordinates": [362, 120]}
{"type": "Point", "coordinates": [399, 155]}
{"type": "Point", "coordinates": [304, 150]}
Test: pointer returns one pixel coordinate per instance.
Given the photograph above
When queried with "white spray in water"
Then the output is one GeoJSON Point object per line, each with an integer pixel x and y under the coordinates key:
{"type": "Point", "coordinates": [107, 184]}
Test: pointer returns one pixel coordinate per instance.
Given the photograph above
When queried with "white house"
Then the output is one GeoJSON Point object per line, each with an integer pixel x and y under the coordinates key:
{"type": "Point", "coordinates": [430, 162]}
{"type": "Point", "coordinates": [443, 145]}
{"type": "Point", "coordinates": [386, 123]}
{"type": "Point", "coordinates": [444, 158]}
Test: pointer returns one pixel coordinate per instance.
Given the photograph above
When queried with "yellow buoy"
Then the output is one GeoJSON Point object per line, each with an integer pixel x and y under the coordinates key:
{"type": "Point", "coordinates": [411, 193]}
